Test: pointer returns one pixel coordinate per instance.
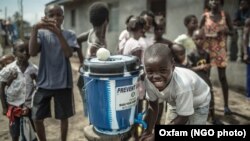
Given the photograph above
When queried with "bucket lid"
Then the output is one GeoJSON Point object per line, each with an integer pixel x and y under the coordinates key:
{"type": "Point", "coordinates": [115, 65]}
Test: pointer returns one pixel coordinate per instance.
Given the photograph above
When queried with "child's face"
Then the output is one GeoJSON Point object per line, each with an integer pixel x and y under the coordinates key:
{"type": "Point", "coordinates": [22, 53]}
{"type": "Point", "coordinates": [159, 30]}
{"type": "Point", "coordinates": [180, 56]}
{"type": "Point", "coordinates": [193, 24]}
{"type": "Point", "coordinates": [159, 71]}
{"type": "Point", "coordinates": [56, 14]}
{"type": "Point", "coordinates": [199, 39]}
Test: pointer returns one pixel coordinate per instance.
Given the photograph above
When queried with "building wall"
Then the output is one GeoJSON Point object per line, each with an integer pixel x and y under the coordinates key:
{"type": "Point", "coordinates": [176, 11]}
{"type": "Point", "coordinates": [236, 76]}
{"type": "Point", "coordinates": [124, 8]}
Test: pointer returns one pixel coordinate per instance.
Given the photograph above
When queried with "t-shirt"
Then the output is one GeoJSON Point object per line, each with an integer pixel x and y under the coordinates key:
{"type": "Point", "coordinates": [21, 89]}
{"type": "Point", "coordinates": [124, 35]}
{"type": "Point", "coordinates": [54, 68]}
{"type": "Point", "coordinates": [131, 46]}
{"type": "Point", "coordinates": [196, 59]}
{"type": "Point", "coordinates": [186, 91]}
{"type": "Point", "coordinates": [187, 42]}
{"type": "Point", "coordinates": [92, 44]}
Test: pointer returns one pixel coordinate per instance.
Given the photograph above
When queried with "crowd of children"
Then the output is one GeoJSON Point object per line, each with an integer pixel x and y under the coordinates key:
{"type": "Point", "coordinates": [175, 73]}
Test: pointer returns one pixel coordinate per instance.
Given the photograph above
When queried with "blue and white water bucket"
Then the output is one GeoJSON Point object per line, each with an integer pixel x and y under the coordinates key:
{"type": "Point", "coordinates": [111, 93]}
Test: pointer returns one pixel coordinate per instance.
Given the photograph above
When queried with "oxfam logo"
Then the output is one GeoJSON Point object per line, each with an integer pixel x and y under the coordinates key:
{"type": "Point", "coordinates": [133, 94]}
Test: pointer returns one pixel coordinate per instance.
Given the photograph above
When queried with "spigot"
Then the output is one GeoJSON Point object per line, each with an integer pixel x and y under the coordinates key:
{"type": "Point", "coordinates": [139, 120]}
{"type": "Point", "coordinates": [142, 125]}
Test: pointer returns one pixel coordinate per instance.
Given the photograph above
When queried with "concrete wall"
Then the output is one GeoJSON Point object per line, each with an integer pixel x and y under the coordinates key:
{"type": "Point", "coordinates": [236, 76]}
{"type": "Point", "coordinates": [125, 8]}
{"type": "Point", "coordinates": [176, 11]}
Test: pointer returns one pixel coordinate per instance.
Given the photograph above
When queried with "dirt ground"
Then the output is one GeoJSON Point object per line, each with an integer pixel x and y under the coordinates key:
{"type": "Point", "coordinates": [237, 101]}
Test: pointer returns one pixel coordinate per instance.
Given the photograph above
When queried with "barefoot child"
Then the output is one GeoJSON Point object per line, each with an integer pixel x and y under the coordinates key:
{"type": "Point", "coordinates": [54, 80]}
{"type": "Point", "coordinates": [16, 98]}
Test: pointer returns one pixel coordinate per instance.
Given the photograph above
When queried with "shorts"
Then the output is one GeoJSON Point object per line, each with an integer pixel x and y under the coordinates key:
{"type": "Point", "coordinates": [63, 101]}
{"type": "Point", "coordinates": [199, 117]}
{"type": "Point", "coordinates": [15, 127]}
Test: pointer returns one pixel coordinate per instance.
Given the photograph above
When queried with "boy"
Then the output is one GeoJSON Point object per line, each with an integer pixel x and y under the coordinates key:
{"type": "Point", "coordinates": [179, 56]}
{"type": "Point", "coordinates": [99, 18]}
{"type": "Point", "coordinates": [55, 75]}
{"type": "Point", "coordinates": [16, 98]}
{"type": "Point", "coordinates": [186, 93]}
{"type": "Point", "coordinates": [95, 37]}
{"type": "Point", "coordinates": [159, 30]}
{"type": "Point", "coordinates": [199, 61]}
{"type": "Point", "coordinates": [191, 24]}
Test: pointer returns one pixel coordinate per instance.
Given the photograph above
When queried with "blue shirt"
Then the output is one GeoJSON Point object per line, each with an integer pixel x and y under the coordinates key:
{"type": "Point", "coordinates": [54, 67]}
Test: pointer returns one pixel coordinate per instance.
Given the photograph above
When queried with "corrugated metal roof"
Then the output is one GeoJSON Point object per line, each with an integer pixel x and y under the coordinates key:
{"type": "Point", "coordinates": [61, 2]}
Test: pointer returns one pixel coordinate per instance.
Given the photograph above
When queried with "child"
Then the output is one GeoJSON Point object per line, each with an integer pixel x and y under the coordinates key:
{"type": "Point", "coordinates": [133, 46]}
{"type": "Point", "coordinates": [191, 23]}
{"type": "Point", "coordinates": [159, 30]}
{"type": "Point", "coordinates": [55, 75]}
{"type": "Point", "coordinates": [125, 35]}
{"type": "Point", "coordinates": [186, 93]}
{"type": "Point", "coordinates": [16, 98]}
{"type": "Point", "coordinates": [99, 18]}
{"type": "Point", "coordinates": [80, 83]}
{"type": "Point", "coordinates": [200, 63]}
{"type": "Point", "coordinates": [179, 56]}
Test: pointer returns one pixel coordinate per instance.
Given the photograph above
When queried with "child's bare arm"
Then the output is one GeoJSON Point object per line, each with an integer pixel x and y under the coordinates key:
{"type": "Point", "coordinates": [3, 98]}
{"type": "Point", "coordinates": [82, 37]}
{"type": "Point", "coordinates": [25, 111]}
{"type": "Point", "coordinates": [179, 120]}
{"type": "Point", "coordinates": [33, 76]}
{"type": "Point", "coordinates": [151, 117]}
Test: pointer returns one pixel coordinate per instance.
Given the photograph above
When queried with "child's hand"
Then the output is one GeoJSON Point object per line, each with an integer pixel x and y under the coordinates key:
{"type": "Point", "coordinates": [51, 25]}
{"type": "Point", "coordinates": [147, 137]}
{"type": "Point", "coordinates": [25, 111]}
{"type": "Point", "coordinates": [44, 23]}
{"type": "Point", "coordinates": [12, 77]}
{"type": "Point", "coordinates": [33, 76]}
{"type": "Point", "coordinates": [5, 110]}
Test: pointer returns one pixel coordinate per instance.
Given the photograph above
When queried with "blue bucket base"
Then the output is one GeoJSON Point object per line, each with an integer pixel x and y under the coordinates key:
{"type": "Point", "coordinates": [113, 132]}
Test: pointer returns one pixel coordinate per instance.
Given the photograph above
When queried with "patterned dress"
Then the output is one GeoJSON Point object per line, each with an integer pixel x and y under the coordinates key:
{"type": "Point", "coordinates": [215, 43]}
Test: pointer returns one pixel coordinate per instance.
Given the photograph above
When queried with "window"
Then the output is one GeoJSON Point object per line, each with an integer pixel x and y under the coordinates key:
{"type": "Point", "coordinates": [158, 7]}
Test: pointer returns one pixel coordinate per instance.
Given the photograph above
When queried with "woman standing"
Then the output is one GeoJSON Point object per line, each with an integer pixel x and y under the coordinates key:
{"type": "Point", "coordinates": [217, 25]}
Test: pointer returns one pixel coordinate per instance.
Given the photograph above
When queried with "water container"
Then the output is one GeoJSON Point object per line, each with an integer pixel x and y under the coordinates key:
{"type": "Point", "coordinates": [111, 93]}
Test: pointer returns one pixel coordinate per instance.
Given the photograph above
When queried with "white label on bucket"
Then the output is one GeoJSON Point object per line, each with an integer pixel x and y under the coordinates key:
{"type": "Point", "coordinates": [126, 97]}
